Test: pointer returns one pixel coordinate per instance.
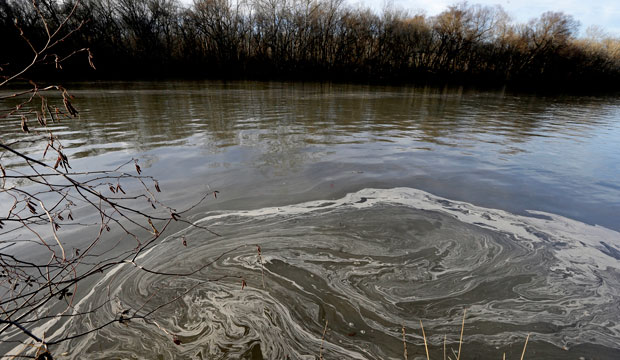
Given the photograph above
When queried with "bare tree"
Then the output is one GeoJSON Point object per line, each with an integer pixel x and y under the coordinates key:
{"type": "Point", "coordinates": [222, 29]}
{"type": "Point", "coordinates": [43, 200]}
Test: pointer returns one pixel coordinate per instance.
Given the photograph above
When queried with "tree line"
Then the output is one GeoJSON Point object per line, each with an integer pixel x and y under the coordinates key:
{"type": "Point", "coordinates": [315, 39]}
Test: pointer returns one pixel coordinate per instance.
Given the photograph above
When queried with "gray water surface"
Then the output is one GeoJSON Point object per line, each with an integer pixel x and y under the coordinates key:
{"type": "Point", "coordinates": [374, 207]}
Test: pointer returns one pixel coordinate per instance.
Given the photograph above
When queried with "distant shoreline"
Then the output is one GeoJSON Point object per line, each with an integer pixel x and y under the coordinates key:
{"type": "Point", "coordinates": [324, 40]}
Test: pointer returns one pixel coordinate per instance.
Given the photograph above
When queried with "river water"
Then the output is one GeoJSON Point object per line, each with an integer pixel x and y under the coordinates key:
{"type": "Point", "coordinates": [374, 208]}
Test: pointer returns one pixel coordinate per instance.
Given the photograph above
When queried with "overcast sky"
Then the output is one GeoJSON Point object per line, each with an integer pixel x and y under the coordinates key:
{"type": "Point", "coordinates": [604, 13]}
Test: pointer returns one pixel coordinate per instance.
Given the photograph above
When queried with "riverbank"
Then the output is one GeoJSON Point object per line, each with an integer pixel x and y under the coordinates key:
{"type": "Point", "coordinates": [468, 45]}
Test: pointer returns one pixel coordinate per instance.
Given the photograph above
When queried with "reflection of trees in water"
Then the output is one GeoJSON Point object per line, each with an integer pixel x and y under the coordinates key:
{"type": "Point", "coordinates": [282, 150]}
{"type": "Point", "coordinates": [287, 124]}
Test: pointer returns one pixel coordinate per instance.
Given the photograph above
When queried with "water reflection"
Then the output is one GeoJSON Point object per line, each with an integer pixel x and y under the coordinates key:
{"type": "Point", "coordinates": [452, 142]}
{"type": "Point", "coordinates": [141, 116]}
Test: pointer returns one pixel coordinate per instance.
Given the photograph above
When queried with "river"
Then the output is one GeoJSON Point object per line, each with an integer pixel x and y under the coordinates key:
{"type": "Point", "coordinates": [374, 207]}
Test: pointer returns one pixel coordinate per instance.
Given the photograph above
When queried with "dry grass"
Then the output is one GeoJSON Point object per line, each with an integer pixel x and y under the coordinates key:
{"type": "Point", "coordinates": [458, 354]}
{"type": "Point", "coordinates": [323, 340]}
{"type": "Point", "coordinates": [405, 343]}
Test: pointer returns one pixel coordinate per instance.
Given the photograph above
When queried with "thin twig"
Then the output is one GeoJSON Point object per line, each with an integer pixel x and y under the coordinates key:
{"type": "Point", "coordinates": [262, 267]}
{"type": "Point", "coordinates": [53, 225]}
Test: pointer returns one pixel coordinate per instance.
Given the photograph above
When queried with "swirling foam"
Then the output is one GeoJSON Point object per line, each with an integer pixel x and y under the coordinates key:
{"type": "Point", "coordinates": [368, 263]}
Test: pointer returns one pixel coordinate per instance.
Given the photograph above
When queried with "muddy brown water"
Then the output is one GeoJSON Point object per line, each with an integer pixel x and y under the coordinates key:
{"type": "Point", "coordinates": [375, 207]}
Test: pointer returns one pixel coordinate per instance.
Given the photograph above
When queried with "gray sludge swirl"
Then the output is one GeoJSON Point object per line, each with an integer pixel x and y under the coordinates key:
{"type": "Point", "coordinates": [369, 263]}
